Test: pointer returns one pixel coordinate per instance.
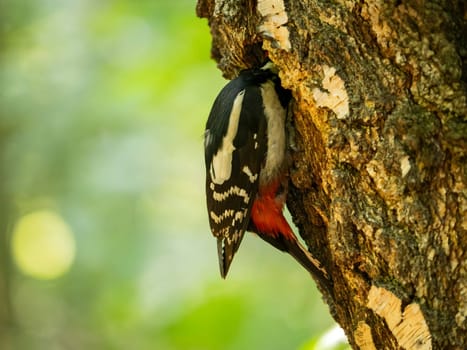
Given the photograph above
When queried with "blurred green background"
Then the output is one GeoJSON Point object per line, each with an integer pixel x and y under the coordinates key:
{"type": "Point", "coordinates": [104, 235]}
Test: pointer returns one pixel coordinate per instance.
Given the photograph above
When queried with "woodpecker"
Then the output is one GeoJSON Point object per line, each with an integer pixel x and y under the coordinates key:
{"type": "Point", "coordinates": [246, 169]}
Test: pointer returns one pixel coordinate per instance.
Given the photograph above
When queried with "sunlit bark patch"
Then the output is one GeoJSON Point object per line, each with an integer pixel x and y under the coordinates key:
{"type": "Point", "coordinates": [274, 20]}
{"type": "Point", "coordinates": [407, 325]}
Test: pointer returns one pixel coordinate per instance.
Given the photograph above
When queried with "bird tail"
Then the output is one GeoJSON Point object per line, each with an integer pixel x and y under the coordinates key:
{"type": "Point", "coordinates": [268, 221]}
{"type": "Point", "coordinates": [308, 261]}
{"type": "Point", "coordinates": [290, 244]}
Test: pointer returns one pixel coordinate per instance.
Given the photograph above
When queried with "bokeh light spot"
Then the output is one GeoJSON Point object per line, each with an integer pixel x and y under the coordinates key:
{"type": "Point", "coordinates": [43, 245]}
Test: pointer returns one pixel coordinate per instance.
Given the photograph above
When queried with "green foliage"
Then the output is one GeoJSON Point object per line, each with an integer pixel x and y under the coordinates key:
{"type": "Point", "coordinates": [103, 105]}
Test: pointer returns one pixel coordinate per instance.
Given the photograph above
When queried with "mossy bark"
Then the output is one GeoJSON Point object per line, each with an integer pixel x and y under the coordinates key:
{"type": "Point", "coordinates": [378, 179]}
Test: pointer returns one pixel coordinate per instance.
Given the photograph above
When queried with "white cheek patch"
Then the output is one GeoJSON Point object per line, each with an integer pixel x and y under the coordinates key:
{"type": "Point", "coordinates": [221, 165]}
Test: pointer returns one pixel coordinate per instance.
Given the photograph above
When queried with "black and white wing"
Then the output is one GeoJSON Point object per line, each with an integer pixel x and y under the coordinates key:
{"type": "Point", "coordinates": [235, 147]}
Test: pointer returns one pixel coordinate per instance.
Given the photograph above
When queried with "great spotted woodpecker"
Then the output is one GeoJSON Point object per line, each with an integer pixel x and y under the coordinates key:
{"type": "Point", "coordinates": [246, 170]}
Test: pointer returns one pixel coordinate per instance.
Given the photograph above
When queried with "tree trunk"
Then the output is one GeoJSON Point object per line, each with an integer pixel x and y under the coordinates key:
{"type": "Point", "coordinates": [378, 181]}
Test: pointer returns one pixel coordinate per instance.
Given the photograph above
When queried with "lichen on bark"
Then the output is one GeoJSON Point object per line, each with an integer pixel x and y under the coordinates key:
{"type": "Point", "coordinates": [378, 178]}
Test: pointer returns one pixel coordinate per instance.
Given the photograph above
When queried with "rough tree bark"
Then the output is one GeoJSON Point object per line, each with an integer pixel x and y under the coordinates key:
{"type": "Point", "coordinates": [377, 186]}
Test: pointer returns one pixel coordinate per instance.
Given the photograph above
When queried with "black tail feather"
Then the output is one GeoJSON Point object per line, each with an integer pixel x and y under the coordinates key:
{"type": "Point", "coordinates": [302, 256]}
